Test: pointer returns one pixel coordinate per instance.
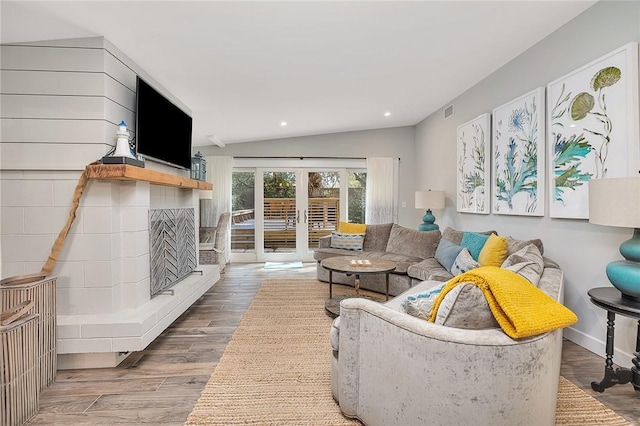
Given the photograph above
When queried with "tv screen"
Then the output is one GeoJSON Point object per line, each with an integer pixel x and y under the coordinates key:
{"type": "Point", "coordinates": [163, 131]}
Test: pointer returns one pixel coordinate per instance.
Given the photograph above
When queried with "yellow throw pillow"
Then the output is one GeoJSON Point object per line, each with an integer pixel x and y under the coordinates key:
{"type": "Point", "coordinates": [494, 251]}
{"type": "Point", "coordinates": [353, 228]}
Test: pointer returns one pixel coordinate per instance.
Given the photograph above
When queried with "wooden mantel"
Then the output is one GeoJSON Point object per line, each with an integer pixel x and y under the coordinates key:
{"type": "Point", "coordinates": [133, 173]}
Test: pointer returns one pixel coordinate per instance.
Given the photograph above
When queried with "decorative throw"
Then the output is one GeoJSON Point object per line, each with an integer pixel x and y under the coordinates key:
{"type": "Point", "coordinates": [520, 308]}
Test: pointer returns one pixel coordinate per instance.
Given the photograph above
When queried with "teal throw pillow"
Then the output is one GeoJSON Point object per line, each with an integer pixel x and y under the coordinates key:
{"type": "Point", "coordinates": [447, 252]}
{"type": "Point", "coordinates": [474, 242]}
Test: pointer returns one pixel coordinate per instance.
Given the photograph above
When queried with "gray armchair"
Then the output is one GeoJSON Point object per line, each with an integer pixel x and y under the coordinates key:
{"type": "Point", "coordinates": [213, 243]}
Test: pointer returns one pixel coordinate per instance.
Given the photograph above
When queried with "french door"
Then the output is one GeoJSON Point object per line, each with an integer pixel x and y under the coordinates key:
{"type": "Point", "coordinates": [280, 213]}
{"type": "Point", "coordinates": [298, 207]}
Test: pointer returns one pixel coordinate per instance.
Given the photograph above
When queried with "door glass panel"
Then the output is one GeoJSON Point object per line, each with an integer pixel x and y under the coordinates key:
{"type": "Point", "coordinates": [279, 212]}
{"type": "Point", "coordinates": [243, 222]}
{"type": "Point", "coordinates": [323, 208]}
{"type": "Point", "coordinates": [357, 196]}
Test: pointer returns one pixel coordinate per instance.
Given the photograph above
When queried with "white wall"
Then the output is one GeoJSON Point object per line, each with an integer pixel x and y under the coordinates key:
{"type": "Point", "coordinates": [392, 142]}
{"type": "Point", "coordinates": [580, 248]}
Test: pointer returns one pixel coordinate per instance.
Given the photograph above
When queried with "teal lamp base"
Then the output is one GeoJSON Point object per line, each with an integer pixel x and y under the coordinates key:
{"type": "Point", "coordinates": [428, 222]}
{"type": "Point", "coordinates": [625, 274]}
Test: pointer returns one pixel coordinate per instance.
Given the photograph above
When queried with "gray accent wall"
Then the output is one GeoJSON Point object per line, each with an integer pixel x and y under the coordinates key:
{"type": "Point", "coordinates": [396, 142]}
{"type": "Point", "coordinates": [581, 249]}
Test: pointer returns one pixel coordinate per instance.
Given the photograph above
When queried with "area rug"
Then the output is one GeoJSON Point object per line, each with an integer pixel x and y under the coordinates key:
{"type": "Point", "coordinates": [276, 370]}
{"type": "Point", "coordinates": [282, 265]}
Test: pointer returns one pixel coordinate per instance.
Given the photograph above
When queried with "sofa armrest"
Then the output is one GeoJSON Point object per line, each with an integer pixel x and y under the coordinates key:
{"type": "Point", "coordinates": [389, 363]}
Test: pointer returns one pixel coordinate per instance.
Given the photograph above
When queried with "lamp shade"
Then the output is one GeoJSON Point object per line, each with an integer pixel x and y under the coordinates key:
{"type": "Point", "coordinates": [433, 200]}
{"type": "Point", "coordinates": [615, 202]}
{"type": "Point", "coordinates": [205, 194]}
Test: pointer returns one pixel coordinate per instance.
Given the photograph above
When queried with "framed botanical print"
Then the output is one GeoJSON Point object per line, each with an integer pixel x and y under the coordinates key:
{"type": "Point", "coordinates": [473, 162]}
{"type": "Point", "coordinates": [518, 147]}
{"type": "Point", "coordinates": [592, 116]}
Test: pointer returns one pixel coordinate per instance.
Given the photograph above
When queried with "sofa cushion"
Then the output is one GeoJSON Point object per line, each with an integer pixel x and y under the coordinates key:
{"type": "Point", "coordinates": [325, 253]}
{"type": "Point", "coordinates": [347, 241]}
{"type": "Point", "coordinates": [352, 228]}
{"type": "Point", "coordinates": [463, 263]}
{"type": "Point", "coordinates": [517, 245]}
{"type": "Point", "coordinates": [494, 251]}
{"type": "Point", "coordinates": [377, 237]}
{"type": "Point", "coordinates": [527, 262]}
{"type": "Point", "coordinates": [429, 269]}
{"type": "Point", "coordinates": [447, 252]}
{"type": "Point", "coordinates": [474, 241]}
{"type": "Point", "coordinates": [452, 235]}
{"type": "Point", "coordinates": [465, 307]}
{"type": "Point", "coordinates": [402, 261]}
{"type": "Point", "coordinates": [411, 242]}
{"type": "Point", "coordinates": [455, 236]}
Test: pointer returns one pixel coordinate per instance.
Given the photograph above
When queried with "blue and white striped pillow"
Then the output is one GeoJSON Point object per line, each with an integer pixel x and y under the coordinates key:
{"type": "Point", "coordinates": [347, 241]}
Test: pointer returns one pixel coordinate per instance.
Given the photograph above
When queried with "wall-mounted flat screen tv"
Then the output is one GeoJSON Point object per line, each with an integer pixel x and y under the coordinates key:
{"type": "Point", "coordinates": [163, 130]}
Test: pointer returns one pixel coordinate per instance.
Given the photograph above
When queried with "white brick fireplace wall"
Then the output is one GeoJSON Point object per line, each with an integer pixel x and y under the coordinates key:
{"type": "Point", "coordinates": [64, 101]}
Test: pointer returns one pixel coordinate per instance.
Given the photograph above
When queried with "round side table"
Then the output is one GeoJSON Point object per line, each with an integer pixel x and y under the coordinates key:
{"type": "Point", "coordinates": [612, 301]}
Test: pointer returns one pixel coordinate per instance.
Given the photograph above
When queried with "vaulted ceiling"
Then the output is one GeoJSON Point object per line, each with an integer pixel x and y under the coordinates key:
{"type": "Point", "coordinates": [245, 68]}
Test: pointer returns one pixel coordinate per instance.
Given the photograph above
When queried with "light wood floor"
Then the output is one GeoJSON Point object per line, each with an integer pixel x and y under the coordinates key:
{"type": "Point", "coordinates": [161, 384]}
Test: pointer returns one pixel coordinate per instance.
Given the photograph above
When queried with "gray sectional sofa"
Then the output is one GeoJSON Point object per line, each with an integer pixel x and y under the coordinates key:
{"type": "Point", "coordinates": [393, 368]}
{"type": "Point", "coordinates": [413, 250]}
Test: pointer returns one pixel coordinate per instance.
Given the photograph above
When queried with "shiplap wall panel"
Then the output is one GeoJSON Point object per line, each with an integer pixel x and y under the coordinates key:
{"type": "Point", "coordinates": [119, 71]}
{"type": "Point", "coordinates": [57, 131]}
{"type": "Point", "coordinates": [42, 156]}
{"type": "Point", "coordinates": [51, 83]}
{"type": "Point", "coordinates": [52, 59]}
{"type": "Point", "coordinates": [115, 113]}
{"type": "Point", "coordinates": [52, 107]}
{"type": "Point", "coordinates": [13, 82]}
{"type": "Point", "coordinates": [118, 93]}
{"type": "Point", "coordinates": [64, 107]}
{"type": "Point", "coordinates": [67, 92]}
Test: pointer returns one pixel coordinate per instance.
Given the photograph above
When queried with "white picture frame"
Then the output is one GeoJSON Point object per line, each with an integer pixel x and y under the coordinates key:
{"type": "Point", "coordinates": [473, 165]}
{"type": "Point", "coordinates": [592, 116]}
{"type": "Point", "coordinates": [518, 146]}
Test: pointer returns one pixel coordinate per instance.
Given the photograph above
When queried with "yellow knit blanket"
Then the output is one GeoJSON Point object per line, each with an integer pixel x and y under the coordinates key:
{"type": "Point", "coordinates": [521, 309]}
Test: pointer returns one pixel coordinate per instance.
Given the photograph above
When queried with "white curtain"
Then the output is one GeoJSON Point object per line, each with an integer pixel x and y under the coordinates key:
{"type": "Point", "coordinates": [219, 170]}
{"type": "Point", "coordinates": [381, 190]}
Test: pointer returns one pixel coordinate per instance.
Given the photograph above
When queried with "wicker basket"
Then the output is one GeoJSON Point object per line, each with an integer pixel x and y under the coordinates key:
{"type": "Point", "coordinates": [19, 370]}
{"type": "Point", "coordinates": [41, 290]}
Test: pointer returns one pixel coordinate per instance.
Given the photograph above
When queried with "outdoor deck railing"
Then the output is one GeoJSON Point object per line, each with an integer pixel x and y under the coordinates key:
{"type": "Point", "coordinates": [280, 218]}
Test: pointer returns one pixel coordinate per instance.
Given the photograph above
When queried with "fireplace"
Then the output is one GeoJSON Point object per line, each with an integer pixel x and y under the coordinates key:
{"type": "Point", "coordinates": [172, 247]}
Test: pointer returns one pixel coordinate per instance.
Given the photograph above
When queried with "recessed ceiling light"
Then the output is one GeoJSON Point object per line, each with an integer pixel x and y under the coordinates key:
{"type": "Point", "coordinates": [283, 123]}
{"type": "Point", "coordinates": [386, 114]}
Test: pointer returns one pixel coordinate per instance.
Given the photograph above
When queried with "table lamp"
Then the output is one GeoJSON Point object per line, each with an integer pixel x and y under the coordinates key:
{"type": "Point", "coordinates": [429, 200]}
{"type": "Point", "coordinates": [616, 202]}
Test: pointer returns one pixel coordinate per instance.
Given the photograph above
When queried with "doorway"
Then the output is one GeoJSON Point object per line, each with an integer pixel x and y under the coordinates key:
{"type": "Point", "coordinates": [279, 214]}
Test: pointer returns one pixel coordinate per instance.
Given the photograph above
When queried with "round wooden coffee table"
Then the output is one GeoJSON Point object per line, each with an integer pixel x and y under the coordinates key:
{"type": "Point", "coordinates": [353, 265]}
